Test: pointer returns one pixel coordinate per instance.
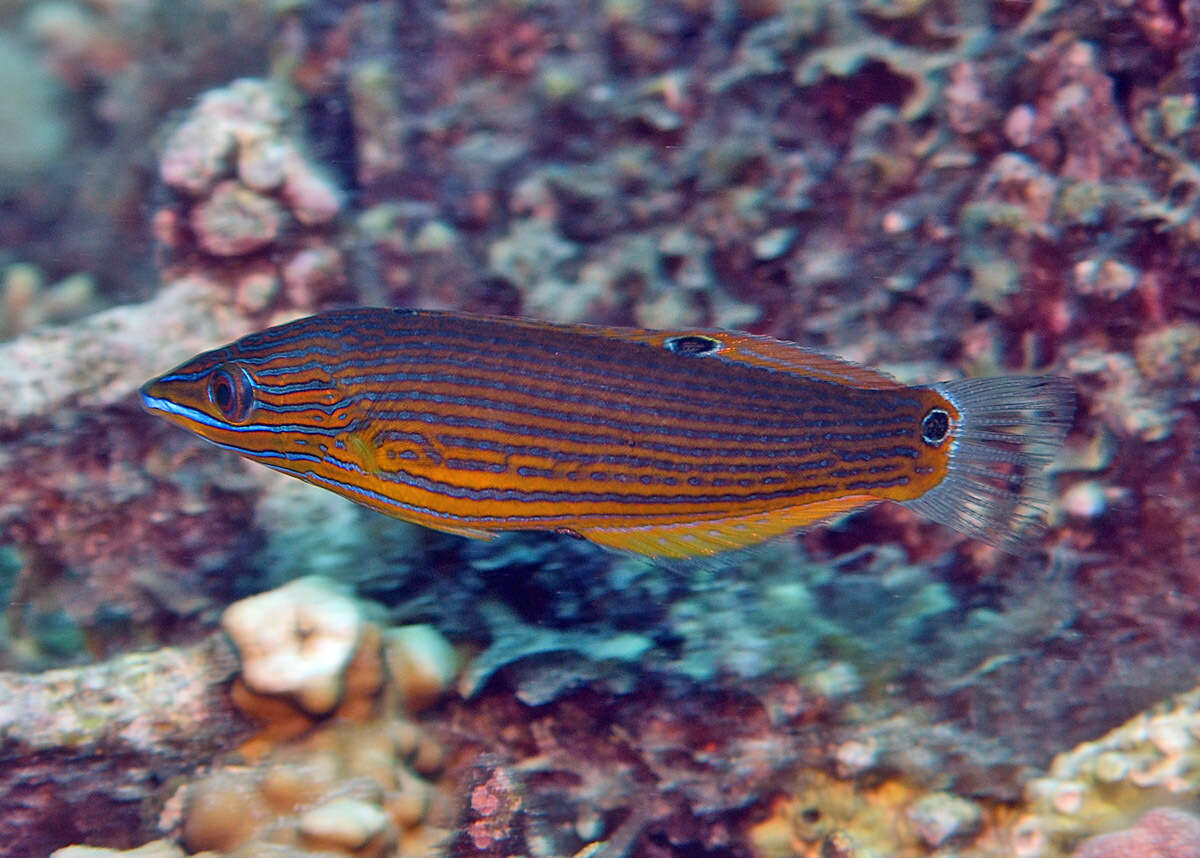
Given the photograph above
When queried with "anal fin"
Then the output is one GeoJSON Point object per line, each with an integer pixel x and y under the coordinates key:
{"type": "Point", "coordinates": [714, 536]}
{"type": "Point", "coordinates": [468, 532]}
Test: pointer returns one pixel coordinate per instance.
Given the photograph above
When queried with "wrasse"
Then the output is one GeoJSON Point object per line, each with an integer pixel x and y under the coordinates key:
{"type": "Point", "coordinates": [670, 444]}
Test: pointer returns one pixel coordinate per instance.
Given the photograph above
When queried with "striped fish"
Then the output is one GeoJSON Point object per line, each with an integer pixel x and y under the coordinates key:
{"type": "Point", "coordinates": [670, 444]}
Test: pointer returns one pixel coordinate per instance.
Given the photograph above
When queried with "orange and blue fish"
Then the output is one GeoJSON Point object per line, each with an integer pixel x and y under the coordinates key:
{"type": "Point", "coordinates": [670, 444]}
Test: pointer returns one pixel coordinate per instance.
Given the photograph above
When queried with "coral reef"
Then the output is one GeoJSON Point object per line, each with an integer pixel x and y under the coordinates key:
{"type": "Point", "coordinates": [826, 816]}
{"type": "Point", "coordinates": [296, 642]}
{"type": "Point", "coordinates": [26, 301]}
{"type": "Point", "coordinates": [1149, 761]}
{"type": "Point", "coordinates": [352, 779]}
{"type": "Point", "coordinates": [84, 748]}
{"type": "Point", "coordinates": [121, 69]}
{"type": "Point", "coordinates": [937, 189]}
{"type": "Point", "coordinates": [1161, 833]}
{"type": "Point", "coordinates": [337, 766]}
{"type": "Point", "coordinates": [83, 498]}
{"type": "Point", "coordinates": [245, 187]}
{"type": "Point", "coordinates": [611, 775]}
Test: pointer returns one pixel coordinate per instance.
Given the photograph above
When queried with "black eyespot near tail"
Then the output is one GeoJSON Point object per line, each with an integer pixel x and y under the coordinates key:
{"type": "Point", "coordinates": [1010, 428]}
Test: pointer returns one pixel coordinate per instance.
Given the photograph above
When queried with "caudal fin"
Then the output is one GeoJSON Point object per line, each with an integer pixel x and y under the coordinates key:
{"type": "Point", "coordinates": [996, 489]}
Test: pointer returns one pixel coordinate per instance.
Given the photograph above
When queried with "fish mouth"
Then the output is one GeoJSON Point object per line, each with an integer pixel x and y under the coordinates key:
{"type": "Point", "coordinates": [150, 402]}
{"type": "Point", "coordinates": [154, 401]}
{"type": "Point", "coordinates": [158, 405]}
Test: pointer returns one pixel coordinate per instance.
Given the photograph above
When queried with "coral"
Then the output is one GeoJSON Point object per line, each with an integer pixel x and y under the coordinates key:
{"type": "Point", "coordinates": [103, 359]}
{"type": "Point", "coordinates": [309, 652]}
{"type": "Point", "coordinates": [616, 775]}
{"type": "Point", "coordinates": [784, 612]}
{"type": "Point", "coordinates": [421, 664]}
{"type": "Point", "coordinates": [85, 497]}
{"type": "Point", "coordinates": [856, 45]}
{"type": "Point", "coordinates": [934, 188]}
{"type": "Point", "coordinates": [939, 817]}
{"type": "Point", "coordinates": [561, 659]}
{"type": "Point", "coordinates": [85, 747]}
{"type": "Point", "coordinates": [346, 789]}
{"type": "Point", "coordinates": [1149, 761]}
{"type": "Point", "coordinates": [1125, 401]}
{"type": "Point", "coordinates": [782, 617]}
{"type": "Point", "coordinates": [245, 185]}
{"type": "Point", "coordinates": [820, 815]}
{"type": "Point", "coordinates": [153, 849]}
{"type": "Point", "coordinates": [354, 783]}
{"type": "Point", "coordinates": [141, 703]}
{"type": "Point", "coordinates": [296, 641]}
{"type": "Point", "coordinates": [1161, 833]}
{"type": "Point", "coordinates": [235, 221]}
{"type": "Point", "coordinates": [379, 123]}
{"type": "Point", "coordinates": [26, 301]}
{"type": "Point", "coordinates": [1076, 122]}
{"type": "Point", "coordinates": [530, 257]}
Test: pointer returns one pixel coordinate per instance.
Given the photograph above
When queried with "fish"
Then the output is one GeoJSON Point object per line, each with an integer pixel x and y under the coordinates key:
{"type": "Point", "coordinates": [668, 444]}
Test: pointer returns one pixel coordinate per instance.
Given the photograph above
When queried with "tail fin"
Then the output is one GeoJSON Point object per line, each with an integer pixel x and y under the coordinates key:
{"type": "Point", "coordinates": [996, 489]}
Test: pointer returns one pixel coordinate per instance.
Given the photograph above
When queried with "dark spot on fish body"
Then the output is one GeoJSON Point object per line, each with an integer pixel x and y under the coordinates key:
{"type": "Point", "coordinates": [693, 345]}
{"type": "Point", "coordinates": [935, 427]}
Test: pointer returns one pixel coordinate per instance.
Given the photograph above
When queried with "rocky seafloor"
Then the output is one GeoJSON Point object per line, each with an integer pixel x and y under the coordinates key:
{"type": "Point", "coordinates": [937, 189]}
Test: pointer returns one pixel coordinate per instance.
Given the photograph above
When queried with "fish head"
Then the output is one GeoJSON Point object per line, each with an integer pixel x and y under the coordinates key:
{"type": "Point", "coordinates": [211, 390]}
{"type": "Point", "coordinates": [263, 403]}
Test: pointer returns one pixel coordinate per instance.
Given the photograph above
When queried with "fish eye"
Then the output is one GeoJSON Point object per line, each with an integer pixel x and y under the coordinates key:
{"type": "Point", "coordinates": [935, 427]}
{"type": "Point", "coordinates": [230, 390]}
{"type": "Point", "coordinates": [693, 345]}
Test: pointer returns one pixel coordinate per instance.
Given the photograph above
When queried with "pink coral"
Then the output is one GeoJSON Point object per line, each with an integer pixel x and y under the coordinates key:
{"type": "Point", "coordinates": [1161, 833]}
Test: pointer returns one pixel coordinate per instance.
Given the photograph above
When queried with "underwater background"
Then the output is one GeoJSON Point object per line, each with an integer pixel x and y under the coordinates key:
{"type": "Point", "coordinates": [935, 189]}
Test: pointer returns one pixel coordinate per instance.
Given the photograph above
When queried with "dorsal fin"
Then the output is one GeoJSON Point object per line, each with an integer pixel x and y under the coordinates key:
{"type": "Point", "coordinates": [768, 352]}
{"type": "Point", "coordinates": [752, 349]}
